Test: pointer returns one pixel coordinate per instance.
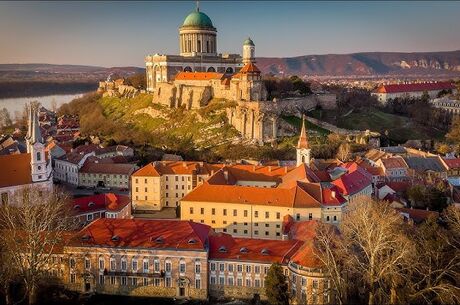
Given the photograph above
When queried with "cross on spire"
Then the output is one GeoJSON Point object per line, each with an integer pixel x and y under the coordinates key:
{"type": "Point", "coordinates": [197, 5]}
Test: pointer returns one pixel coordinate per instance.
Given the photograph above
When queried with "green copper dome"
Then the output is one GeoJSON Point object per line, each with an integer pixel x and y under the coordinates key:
{"type": "Point", "coordinates": [248, 42]}
{"type": "Point", "coordinates": [198, 19]}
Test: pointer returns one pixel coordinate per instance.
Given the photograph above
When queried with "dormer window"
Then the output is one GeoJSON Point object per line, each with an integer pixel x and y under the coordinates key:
{"type": "Point", "coordinates": [222, 249]}
{"type": "Point", "coordinates": [159, 240]}
{"type": "Point", "coordinates": [115, 238]}
{"type": "Point", "coordinates": [91, 204]}
{"type": "Point", "coordinates": [192, 241]}
{"type": "Point", "coordinates": [76, 207]}
{"type": "Point", "coordinates": [244, 250]}
{"type": "Point", "coordinates": [265, 251]}
{"type": "Point", "coordinates": [85, 237]}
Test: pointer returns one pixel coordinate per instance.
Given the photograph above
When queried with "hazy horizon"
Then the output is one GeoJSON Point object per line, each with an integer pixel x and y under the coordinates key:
{"type": "Point", "coordinates": [110, 34]}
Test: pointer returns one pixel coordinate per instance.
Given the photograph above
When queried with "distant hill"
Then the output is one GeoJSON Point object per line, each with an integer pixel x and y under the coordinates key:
{"type": "Point", "coordinates": [24, 80]}
{"type": "Point", "coordinates": [423, 64]}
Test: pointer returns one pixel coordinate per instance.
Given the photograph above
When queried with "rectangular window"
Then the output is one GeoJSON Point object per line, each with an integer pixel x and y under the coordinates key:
{"type": "Point", "coordinates": [245, 213]}
{"type": "Point", "coordinates": [134, 265]}
{"type": "Point", "coordinates": [191, 210]}
{"type": "Point", "coordinates": [213, 267]}
{"type": "Point", "coordinates": [230, 281]}
{"type": "Point", "coordinates": [256, 214]}
{"type": "Point", "coordinates": [221, 267]}
{"type": "Point", "coordinates": [156, 282]}
{"type": "Point", "coordinates": [87, 263]}
{"type": "Point", "coordinates": [239, 268]}
{"type": "Point", "coordinates": [168, 282]}
{"type": "Point", "coordinates": [101, 279]}
{"type": "Point", "coordinates": [182, 267]}
{"type": "Point", "coordinates": [248, 282]}
{"type": "Point", "coordinates": [224, 212]}
{"type": "Point", "coordinates": [213, 280]}
{"type": "Point", "coordinates": [197, 283]}
{"type": "Point", "coordinates": [239, 282]}
{"type": "Point", "coordinates": [235, 212]}
{"type": "Point", "coordinates": [221, 280]}
{"type": "Point", "coordinates": [248, 268]}
{"type": "Point", "coordinates": [101, 264]}
{"type": "Point", "coordinates": [156, 265]}
{"type": "Point", "coordinates": [73, 278]}
{"type": "Point", "coordinates": [146, 266]}
{"type": "Point", "coordinates": [197, 268]}
{"type": "Point", "coordinates": [124, 265]}
{"type": "Point", "coordinates": [202, 211]}
{"type": "Point", "coordinates": [112, 280]}
{"type": "Point", "coordinates": [310, 216]}
{"type": "Point", "coordinates": [230, 267]}
{"type": "Point", "coordinates": [257, 269]}
{"type": "Point", "coordinates": [278, 215]}
{"type": "Point", "coordinates": [168, 266]}
{"type": "Point", "coordinates": [146, 281]}
{"type": "Point", "coordinates": [267, 214]}
{"type": "Point", "coordinates": [213, 211]}
{"type": "Point", "coordinates": [134, 281]}
{"type": "Point", "coordinates": [113, 264]}
{"type": "Point", "coordinates": [257, 283]}
{"type": "Point", "coordinates": [123, 281]}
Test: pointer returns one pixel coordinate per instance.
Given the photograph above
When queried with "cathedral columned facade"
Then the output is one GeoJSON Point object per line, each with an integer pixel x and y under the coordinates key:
{"type": "Point", "coordinates": [198, 53]}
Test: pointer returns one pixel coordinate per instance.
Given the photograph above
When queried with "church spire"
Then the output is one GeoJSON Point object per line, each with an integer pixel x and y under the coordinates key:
{"type": "Point", "coordinates": [303, 140]}
{"type": "Point", "coordinates": [36, 135]}
{"type": "Point", "coordinates": [197, 5]}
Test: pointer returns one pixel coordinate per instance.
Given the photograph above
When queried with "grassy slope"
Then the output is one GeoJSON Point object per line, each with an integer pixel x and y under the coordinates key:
{"type": "Point", "coordinates": [400, 128]}
{"type": "Point", "coordinates": [204, 128]}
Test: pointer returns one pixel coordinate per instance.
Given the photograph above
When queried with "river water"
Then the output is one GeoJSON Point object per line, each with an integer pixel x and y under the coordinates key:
{"type": "Point", "coordinates": [17, 103]}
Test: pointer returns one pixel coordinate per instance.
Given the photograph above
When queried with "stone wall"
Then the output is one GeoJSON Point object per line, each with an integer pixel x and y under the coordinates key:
{"type": "Point", "coordinates": [237, 292]}
{"type": "Point", "coordinates": [178, 95]}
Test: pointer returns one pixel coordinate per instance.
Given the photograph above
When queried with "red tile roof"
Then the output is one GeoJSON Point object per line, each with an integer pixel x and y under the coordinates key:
{"type": "Point", "coordinates": [144, 233]}
{"type": "Point", "coordinates": [352, 183]}
{"type": "Point", "coordinates": [225, 247]}
{"type": "Point", "coordinates": [286, 197]}
{"type": "Point", "coordinates": [109, 202]}
{"type": "Point", "coordinates": [452, 163]}
{"type": "Point", "coordinates": [414, 87]}
{"type": "Point", "coordinates": [418, 215]}
{"type": "Point", "coordinates": [15, 170]}
{"type": "Point", "coordinates": [332, 197]}
{"type": "Point", "coordinates": [159, 168]}
{"type": "Point", "coordinates": [198, 75]}
{"type": "Point", "coordinates": [250, 68]}
{"type": "Point", "coordinates": [394, 162]}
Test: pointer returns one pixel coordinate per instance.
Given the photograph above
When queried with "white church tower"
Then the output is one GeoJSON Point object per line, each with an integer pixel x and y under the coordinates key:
{"type": "Point", "coordinates": [36, 148]}
{"type": "Point", "coordinates": [249, 51]}
{"type": "Point", "coordinates": [303, 150]}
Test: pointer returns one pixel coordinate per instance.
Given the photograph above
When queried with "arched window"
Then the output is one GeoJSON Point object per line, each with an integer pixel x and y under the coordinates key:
{"type": "Point", "coordinates": [211, 69]}
{"type": "Point", "coordinates": [168, 266]}
{"type": "Point", "coordinates": [39, 156]}
{"type": "Point", "coordinates": [207, 46]}
{"type": "Point", "coordinates": [229, 70]}
{"type": "Point", "coordinates": [187, 69]}
{"type": "Point", "coordinates": [303, 159]}
{"type": "Point", "coordinates": [199, 45]}
{"type": "Point", "coordinates": [182, 266]}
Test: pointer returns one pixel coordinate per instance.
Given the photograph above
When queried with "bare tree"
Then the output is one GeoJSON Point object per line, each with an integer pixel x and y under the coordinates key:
{"type": "Point", "coordinates": [331, 251]}
{"type": "Point", "coordinates": [34, 224]}
{"type": "Point", "coordinates": [344, 152]}
{"type": "Point", "coordinates": [436, 265]}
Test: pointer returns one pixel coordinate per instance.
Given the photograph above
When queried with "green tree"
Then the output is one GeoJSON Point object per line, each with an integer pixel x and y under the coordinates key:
{"type": "Point", "coordinates": [276, 287]}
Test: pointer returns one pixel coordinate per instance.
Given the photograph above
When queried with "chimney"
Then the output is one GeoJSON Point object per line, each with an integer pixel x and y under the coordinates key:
{"type": "Point", "coordinates": [212, 172]}
{"type": "Point", "coordinates": [254, 168]}
{"type": "Point", "coordinates": [184, 164]}
{"type": "Point", "coordinates": [226, 175]}
{"type": "Point", "coordinates": [333, 194]}
{"type": "Point", "coordinates": [269, 168]}
{"type": "Point", "coordinates": [285, 169]}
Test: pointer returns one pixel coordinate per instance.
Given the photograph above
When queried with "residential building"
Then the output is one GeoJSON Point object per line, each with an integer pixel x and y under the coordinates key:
{"type": "Point", "coordinates": [446, 103]}
{"type": "Point", "coordinates": [111, 175]}
{"type": "Point", "coordinates": [429, 168]}
{"type": "Point", "coordinates": [384, 93]}
{"type": "Point", "coordinates": [394, 168]}
{"type": "Point", "coordinates": [452, 165]}
{"type": "Point", "coordinates": [108, 205]}
{"type": "Point", "coordinates": [182, 259]}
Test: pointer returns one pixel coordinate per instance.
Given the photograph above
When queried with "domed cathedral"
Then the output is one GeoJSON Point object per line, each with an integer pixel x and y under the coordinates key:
{"type": "Point", "coordinates": [198, 53]}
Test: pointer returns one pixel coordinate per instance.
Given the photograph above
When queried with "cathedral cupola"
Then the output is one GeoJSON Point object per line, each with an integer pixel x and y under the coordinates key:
{"type": "Point", "coordinates": [197, 35]}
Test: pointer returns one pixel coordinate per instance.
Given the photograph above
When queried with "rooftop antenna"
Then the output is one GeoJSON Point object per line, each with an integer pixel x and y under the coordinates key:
{"type": "Point", "coordinates": [197, 5]}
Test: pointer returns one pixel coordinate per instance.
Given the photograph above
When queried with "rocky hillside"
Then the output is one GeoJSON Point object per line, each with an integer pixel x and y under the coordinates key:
{"type": "Point", "coordinates": [422, 64]}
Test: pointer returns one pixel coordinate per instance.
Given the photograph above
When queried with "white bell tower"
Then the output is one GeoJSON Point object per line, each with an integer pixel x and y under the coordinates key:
{"type": "Point", "coordinates": [303, 150]}
{"type": "Point", "coordinates": [36, 148]}
{"type": "Point", "coordinates": [249, 51]}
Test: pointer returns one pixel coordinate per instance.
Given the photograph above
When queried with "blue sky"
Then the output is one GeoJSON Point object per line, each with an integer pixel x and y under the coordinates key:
{"type": "Point", "coordinates": [121, 33]}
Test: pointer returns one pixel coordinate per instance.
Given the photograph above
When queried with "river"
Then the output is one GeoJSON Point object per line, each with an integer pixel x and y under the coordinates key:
{"type": "Point", "coordinates": [17, 103]}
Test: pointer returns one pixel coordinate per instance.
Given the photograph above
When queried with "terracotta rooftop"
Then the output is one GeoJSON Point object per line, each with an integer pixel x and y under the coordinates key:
{"type": "Point", "coordinates": [143, 233]}
{"type": "Point", "coordinates": [225, 247]}
{"type": "Point", "coordinates": [109, 202]}
{"type": "Point", "coordinates": [296, 196]}
{"type": "Point", "coordinates": [15, 170]}
{"type": "Point", "coordinates": [159, 168]}
{"type": "Point", "coordinates": [394, 162]}
{"type": "Point", "coordinates": [352, 182]}
{"type": "Point", "coordinates": [249, 68]}
{"type": "Point", "coordinates": [414, 87]}
{"type": "Point", "coordinates": [418, 215]}
{"type": "Point", "coordinates": [198, 75]}
{"type": "Point", "coordinates": [452, 163]}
